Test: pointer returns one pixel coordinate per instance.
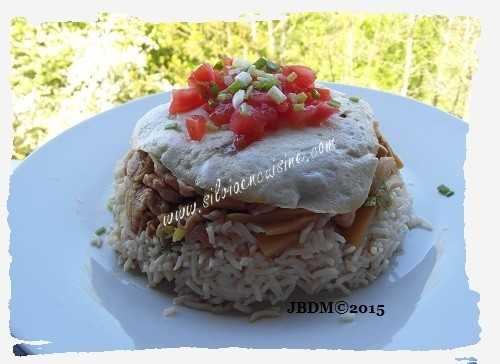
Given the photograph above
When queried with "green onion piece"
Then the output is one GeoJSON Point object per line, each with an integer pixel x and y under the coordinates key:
{"type": "Point", "coordinates": [172, 125]}
{"type": "Point", "coordinates": [100, 231]}
{"type": "Point", "coordinates": [245, 109]}
{"type": "Point", "coordinates": [445, 191]}
{"type": "Point", "coordinates": [354, 98]}
{"type": "Point", "coordinates": [334, 103]}
{"type": "Point", "coordinates": [214, 89]}
{"type": "Point", "coordinates": [260, 63]}
{"type": "Point", "coordinates": [179, 234]}
{"type": "Point", "coordinates": [218, 66]}
{"type": "Point", "coordinates": [293, 97]}
{"type": "Point", "coordinates": [315, 94]}
{"type": "Point", "coordinates": [249, 91]}
{"type": "Point", "coordinates": [276, 94]}
{"type": "Point", "coordinates": [265, 84]}
{"type": "Point", "coordinates": [291, 77]}
{"type": "Point", "coordinates": [302, 97]}
{"type": "Point", "coordinates": [223, 96]}
{"type": "Point", "coordinates": [272, 67]}
{"type": "Point", "coordinates": [298, 107]}
{"type": "Point", "coordinates": [234, 87]}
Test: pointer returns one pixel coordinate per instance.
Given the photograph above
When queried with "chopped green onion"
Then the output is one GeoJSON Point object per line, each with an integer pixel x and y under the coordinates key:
{"type": "Point", "coordinates": [172, 125]}
{"type": "Point", "coordinates": [223, 96]}
{"type": "Point", "coordinates": [334, 103]}
{"type": "Point", "coordinates": [100, 231]}
{"type": "Point", "coordinates": [273, 67]}
{"type": "Point", "coordinates": [298, 107]}
{"type": "Point", "coordinates": [291, 77]}
{"type": "Point", "coordinates": [354, 98]}
{"type": "Point", "coordinates": [235, 86]}
{"type": "Point", "coordinates": [315, 94]}
{"type": "Point", "coordinates": [293, 97]}
{"type": "Point", "coordinates": [445, 191]}
{"type": "Point", "coordinates": [276, 94]}
{"type": "Point", "coordinates": [260, 63]}
{"type": "Point", "coordinates": [302, 97]}
{"type": "Point", "coordinates": [266, 84]}
{"type": "Point", "coordinates": [214, 89]}
{"type": "Point", "coordinates": [244, 77]}
{"type": "Point", "coordinates": [240, 63]}
{"type": "Point", "coordinates": [245, 109]}
{"type": "Point", "coordinates": [218, 66]}
{"type": "Point", "coordinates": [238, 98]}
{"type": "Point", "coordinates": [249, 91]}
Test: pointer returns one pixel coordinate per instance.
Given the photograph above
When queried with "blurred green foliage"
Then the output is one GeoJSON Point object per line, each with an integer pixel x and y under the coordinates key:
{"type": "Point", "coordinates": [64, 72]}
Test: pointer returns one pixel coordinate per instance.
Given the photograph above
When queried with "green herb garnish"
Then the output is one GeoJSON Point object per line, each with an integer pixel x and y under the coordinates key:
{"type": "Point", "coordinates": [298, 107]}
{"type": "Point", "coordinates": [260, 63]}
{"type": "Point", "coordinates": [218, 66]}
{"type": "Point", "coordinates": [265, 84]}
{"type": "Point", "coordinates": [214, 89]}
{"type": "Point", "coordinates": [234, 87]}
{"type": "Point", "coordinates": [334, 103]}
{"type": "Point", "coordinates": [445, 191]}
{"type": "Point", "coordinates": [272, 67]}
{"type": "Point", "coordinates": [173, 126]}
{"type": "Point", "coordinates": [100, 231]}
{"type": "Point", "coordinates": [354, 98]}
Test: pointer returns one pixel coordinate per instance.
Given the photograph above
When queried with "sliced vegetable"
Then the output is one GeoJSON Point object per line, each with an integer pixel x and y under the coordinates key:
{"type": "Point", "coordinates": [354, 98]}
{"type": "Point", "coordinates": [185, 100]}
{"type": "Point", "coordinates": [357, 231]}
{"type": "Point", "coordinates": [172, 125]}
{"type": "Point", "coordinates": [196, 126]}
{"type": "Point", "coordinates": [178, 234]}
{"type": "Point", "coordinates": [100, 231]}
{"type": "Point", "coordinates": [445, 191]}
{"type": "Point", "coordinates": [272, 246]}
{"type": "Point", "coordinates": [260, 63]}
{"type": "Point", "coordinates": [276, 94]}
{"type": "Point", "coordinates": [222, 114]}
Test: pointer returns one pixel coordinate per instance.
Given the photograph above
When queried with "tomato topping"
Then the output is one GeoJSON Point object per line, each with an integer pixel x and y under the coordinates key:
{"type": "Point", "coordinates": [202, 75]}
{"type": "Point", "coordinates": [196, 126]}
{"type": "Point", "coordinates": [242, 141]}
{"type": "Point", "coordinates": [258, 98]}
{"type": "Point", "coordinates": [324, 94]}
{"type": "Point", "coordinates": [221, 114]}
{"type": "Point", "coordinates": [304, 80]}
{"type": "Point", "coordinates": [322, 112]}
{"type": "Point", "coordinates": [300, 119]}
{"type": "Point", "coordinates": [247, 125]}
{"type": "Point", "coordinates": [185, 100]}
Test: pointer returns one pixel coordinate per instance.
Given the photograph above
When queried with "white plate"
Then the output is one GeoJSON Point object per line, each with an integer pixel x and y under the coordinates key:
{"type": "Point", "coordinates": [73, 295]}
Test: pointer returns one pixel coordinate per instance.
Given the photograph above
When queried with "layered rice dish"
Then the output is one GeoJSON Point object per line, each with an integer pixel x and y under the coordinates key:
{"type": "Point", "coordinates": [255, 182]}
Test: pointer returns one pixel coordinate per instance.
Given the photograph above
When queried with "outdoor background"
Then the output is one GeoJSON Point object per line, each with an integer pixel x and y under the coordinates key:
{"type": "Point", "coordinates": [65, 72]}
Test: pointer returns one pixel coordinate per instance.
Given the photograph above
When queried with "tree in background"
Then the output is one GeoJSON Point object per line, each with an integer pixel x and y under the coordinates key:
{"type": "Point", "coordinates": [65, 72]}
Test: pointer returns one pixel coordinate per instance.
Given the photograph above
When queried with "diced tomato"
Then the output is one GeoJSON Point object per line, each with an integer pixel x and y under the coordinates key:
{"type": "Point", "coordinates": [322, 113]}
{"type": "Point", "coordinates": [185, 100]}
{"type": "Point", "coordinates": [300, 119]}
{"type": "Point", "coordinates": [283, 107]}
{"type": "Point", "coordinates": [268, 116]}
{"type": "Point", "coordinates": [208, 107]}
{"type": "Point", "coordinates": [303, 82]}
{"type": "Point", "coordinates": [247, 125]}
{"type": "Point", "coordinates": [222, 114]}
{"type": "Point", "coordinates": [242, 141]}
{"type": "Point", "coordinates": [202, 75]}
{"type": "Point", "coordinates": [196, 126]}
{"type": "Point", "coordinates": [258, 98]}
{"type": "Point", "coordinates": [219, 80]}
{"type": "Point", "coordinates": [324, 94]}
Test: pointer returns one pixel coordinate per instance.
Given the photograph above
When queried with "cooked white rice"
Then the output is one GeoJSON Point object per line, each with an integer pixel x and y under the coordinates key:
{"type": "Point", "coordinates": [224, 280]}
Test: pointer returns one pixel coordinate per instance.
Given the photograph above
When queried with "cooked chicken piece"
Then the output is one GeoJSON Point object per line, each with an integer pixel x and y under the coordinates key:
{"type": "Point", "coordinates": [272, 246]}
{"type": "Point", "coordinates": [171, 181]}
{"type": "Point", "coordinates": [357, 231]}
{"type": "Point", "coordinates": [345, 220]}
{"type": "Point", "coordinates": [185, 190]}
{"type": "Point", "coordinates": [287, 226]}
{"type": "Point", "coordinates": [386, 167]}
{"type": "Point", "coordinates": [137, 200]}
{"type": "Point", "coordinates": [138, 165]}
{"type": "Point", "coordinates": [386, 146]}
{"type": "Point", "coordinates": [158, 184]}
